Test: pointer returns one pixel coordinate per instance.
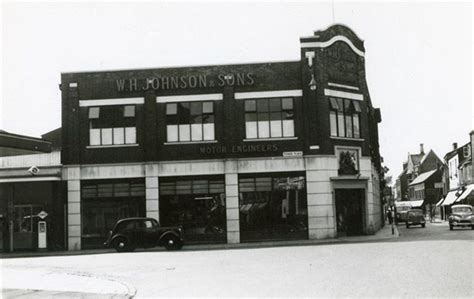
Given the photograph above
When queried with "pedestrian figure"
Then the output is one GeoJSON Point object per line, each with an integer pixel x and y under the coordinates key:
{"type": "Point", "coordinates": [389, 216]}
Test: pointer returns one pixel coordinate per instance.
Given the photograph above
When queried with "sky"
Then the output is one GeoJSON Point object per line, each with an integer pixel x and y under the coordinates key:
{"type": "Point", "coordinates": [418, 55]}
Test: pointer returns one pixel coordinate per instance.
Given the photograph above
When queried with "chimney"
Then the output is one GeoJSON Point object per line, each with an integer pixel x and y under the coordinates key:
{"type": "Point", "coordinates": [422, 151]}
{"type": "Point", "coordinates": [455, 145]}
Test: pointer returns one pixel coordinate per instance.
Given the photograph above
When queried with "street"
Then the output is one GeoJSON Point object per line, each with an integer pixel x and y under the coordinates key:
{"type": "Point", "coordinates": [431, 261]}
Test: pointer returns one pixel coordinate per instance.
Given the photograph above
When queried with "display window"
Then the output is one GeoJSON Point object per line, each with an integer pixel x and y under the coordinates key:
{"type": "Point", "coordinates": [196, 204]}
{"type": "Point", "coordinates": [104, 202]}
{"type": "Point", "coordinates": [273, 207]}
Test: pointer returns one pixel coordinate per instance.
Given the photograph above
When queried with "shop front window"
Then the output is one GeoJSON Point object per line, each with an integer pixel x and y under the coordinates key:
{"type": "Point", "coordinates": [25, 217]}
{"type": "Point", "coordinates": [112, 125]}
{"type": "Point", "coordinates": [197, 204]}
{"type": "Point", "coordinates": [104, 202]}
{"type": "Point", "coordinates": [272, 208]}
{"type": "Point", "coordinates": [269, 118]}
{"type": "Point", "coordinates": [190, 121]}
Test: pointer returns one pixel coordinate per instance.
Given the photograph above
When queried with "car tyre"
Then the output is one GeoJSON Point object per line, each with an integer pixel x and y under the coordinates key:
{"type": "Point", "coordinates": [450, 227]}
{"type": "Point", "coordinates": [472, 226]}
{"type": "Point", "coordinates": [422, 225]}
{"type": "Point", "coordinates": [172, 243]}
{"type": "Point", "coordinates": [122, 245]}
{"type": "Point", "coordinates": [408, 225]}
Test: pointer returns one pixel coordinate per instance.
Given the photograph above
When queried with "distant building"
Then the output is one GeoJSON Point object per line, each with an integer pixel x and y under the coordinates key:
{"type": "Point", "coordinates": [459, 176]}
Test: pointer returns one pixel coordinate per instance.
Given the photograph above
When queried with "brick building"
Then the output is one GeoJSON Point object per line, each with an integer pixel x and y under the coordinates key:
{"type": "Point", "coordinates": [234, 153]}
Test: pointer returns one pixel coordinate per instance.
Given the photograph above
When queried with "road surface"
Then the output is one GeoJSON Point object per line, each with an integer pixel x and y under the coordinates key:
{"type": "Point", "coordinates": [431, 261]}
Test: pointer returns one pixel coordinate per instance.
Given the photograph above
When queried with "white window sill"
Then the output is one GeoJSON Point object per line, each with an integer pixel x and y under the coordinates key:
{"type": "Point", "coordinates": [347, 138]}
{"type": "Point", "coordinates": [112, 146]}
{"type": "Point", "coordinates": [270, 139]}
{"type": "Point", "coordinates": [190, 142]}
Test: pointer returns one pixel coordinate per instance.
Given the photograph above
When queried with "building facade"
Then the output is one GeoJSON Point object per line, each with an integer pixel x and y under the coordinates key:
{"type": "Point", "coordinates": [31, 185]}
{"type": "Point", "coordinates": [233, 153]}
{"type": "Point", "coordinates": [459, 176]}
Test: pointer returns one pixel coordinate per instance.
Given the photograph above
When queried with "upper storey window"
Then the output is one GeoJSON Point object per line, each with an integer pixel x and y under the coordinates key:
{"type": "Point", "coordinates": [344, 116]}
{"type": "Point", "coordinates": [269, 118]}
{"type": "Point", "coordinates": [190, 121]}
{"type": "Point", "coordinates": [112, 125]}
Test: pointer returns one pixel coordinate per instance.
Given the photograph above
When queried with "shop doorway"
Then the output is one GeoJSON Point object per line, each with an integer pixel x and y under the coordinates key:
{"type": "Point", "coordinates": [349, 211]}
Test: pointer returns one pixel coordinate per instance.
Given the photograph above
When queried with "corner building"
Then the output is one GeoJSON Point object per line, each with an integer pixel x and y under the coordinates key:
{"type": "Point", "coordinates": [233, 153]}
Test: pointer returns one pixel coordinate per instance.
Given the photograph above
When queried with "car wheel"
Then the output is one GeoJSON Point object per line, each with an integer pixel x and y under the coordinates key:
{"type": "Point", "coordinates": [172, 243]}
{"type": "Point", "coordinates": [422, 225]}
{"type": "Point", "coordinates": [472, 226]}
{"type": "Point", "coordinates": [408, 225]}
{"type": "Point", "coordinates": [122, 245]}
{"type": "Point", "coordinates": [450, 227]}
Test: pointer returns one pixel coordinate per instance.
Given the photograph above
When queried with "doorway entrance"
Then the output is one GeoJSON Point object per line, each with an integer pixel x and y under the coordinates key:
{"type": "Point", "coordinates": [349, 211]}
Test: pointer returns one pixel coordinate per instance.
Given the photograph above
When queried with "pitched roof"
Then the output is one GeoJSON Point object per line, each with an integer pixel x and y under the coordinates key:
{"type": "Point", "coordinates": [422, 177]}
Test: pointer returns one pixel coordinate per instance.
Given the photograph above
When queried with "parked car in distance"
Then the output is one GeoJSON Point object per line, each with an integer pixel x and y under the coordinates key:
{"type": "Point", "coordinates": [461, 215]}
{"type": "Point", "coordinates": [415, 217]}
{"type": "Point", "coordinates": [130, 233]}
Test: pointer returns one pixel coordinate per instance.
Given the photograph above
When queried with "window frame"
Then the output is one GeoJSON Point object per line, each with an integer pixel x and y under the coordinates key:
{"type": "Point", "coordinates": [124, 124]}
{"type": "Point", "coordinates": [344, 118]}
{"type": "Point", "coordinates": [261, 114]}
{"type": "Point", "coordinates": [179, 122]}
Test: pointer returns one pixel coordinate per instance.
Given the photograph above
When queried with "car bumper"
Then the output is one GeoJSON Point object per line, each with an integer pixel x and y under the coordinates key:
{"type": "Point", "coordinates": [461, 223]}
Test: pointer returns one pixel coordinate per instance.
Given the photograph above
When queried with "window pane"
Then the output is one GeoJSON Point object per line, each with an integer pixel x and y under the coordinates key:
{"type": "Point", "coordinates": [262, 105]}
{"type": "Point", "coordinates": [340, 105]}
{"type": "Point", "coordinates": [129, 111]}
{"type": "Point", "coordinates": [209, 132]}
{"type": "Point", "coordinates": [288, 128]}
{"type": "Point", "coordinates": [250, 117]}
{"type": "Point", "coordinates": [119, 137]}
{"type": "Point", "coordinates": [196, 132]}
{"type": "Point", "coordinates": [184, 133]}
{"type": "Point", "coordinates": [263, 116]}
{"type": "Point", "coordinates": [275, 115]}
{"type": "Point", "coordinates": [263, 184]}
{"type": "Point", "coordinates": [287, 104]}
{"type": "Point", "coordinates": [334, 104]}
{"type": "Point", "coordinates": [130, 135]}
{"type": "Point", "coordinates": [263, 129]}
{"type": "Point", "coordinates": [275, 128]}
{"type": "Point", "coordinates": [171, 109]}
{"type": "Point", "coordinates": [94, 136]}
{"type": "Point", "coordinates": [340, 124]}
{"type": "Point", "coordinates": [333, 123]}
{"type": "Point", "coordinates": [183, 187]}
{"type": "Point", "coordinates": [208, 107]}
{"type": "Point", "coordinates": [208, 119]}
{"type": "Point", "coordinates": [356, 126]}
{"type": "Point", "coordinates": [357, 107]}
{"type": "Point", "coordinates": [107, 136]}
{"type": "Point", "coordinates": [196, 108]}
{"type": "Point", "coordinates": [288, 114]}
{"type": "Point", "coordinates": [348, 126]}
{"type": "Point", "coordinates": [94, 112]}
{"type": "Point", "coordinates": [348, 106]}
{"type": "Point", "coordinates": [172, 133]}
{"type": "Point", "coordinates": [251, 129]}
{"type": "Point", "coordinates": [250, 106]}
{"type": "Point", "coordinates": [275, 104]}
{"type": "Point", "coordinates": [183, 113]}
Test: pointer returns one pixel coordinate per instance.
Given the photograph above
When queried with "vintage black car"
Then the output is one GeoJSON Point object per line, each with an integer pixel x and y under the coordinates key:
{"type": "Point", "coordinates": [461, 215]}
{"type": "Point", "coordinates": [130, 233]}
{"type": "Point", "coordinates": [415, 217]}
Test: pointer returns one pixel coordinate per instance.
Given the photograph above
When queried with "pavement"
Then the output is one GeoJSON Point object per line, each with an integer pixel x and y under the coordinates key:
{"type": "Point", "coordinates": [385, 233]}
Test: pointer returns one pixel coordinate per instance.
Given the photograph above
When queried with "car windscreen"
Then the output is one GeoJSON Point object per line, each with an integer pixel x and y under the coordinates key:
{"type": "Point", "coordinates": [462, 210]}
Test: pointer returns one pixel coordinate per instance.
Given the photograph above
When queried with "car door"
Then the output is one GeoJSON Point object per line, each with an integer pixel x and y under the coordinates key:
{"type": "Point", "coordinates": [149, 233]}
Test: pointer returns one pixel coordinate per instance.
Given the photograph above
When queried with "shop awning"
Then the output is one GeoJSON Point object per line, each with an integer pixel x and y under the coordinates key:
{"type": "Point", "coordinates": [440, 202]}
{"type": "Point", "coordinates": [450, 198]}
{"type": "Point", "coordinates": [416, 203]}
{"type": "Point", "coordinates": [466, 192]}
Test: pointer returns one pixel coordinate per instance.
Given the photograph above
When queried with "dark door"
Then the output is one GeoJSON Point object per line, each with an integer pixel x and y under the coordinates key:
{"type": "Point", "coordinates": [349, 211]}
